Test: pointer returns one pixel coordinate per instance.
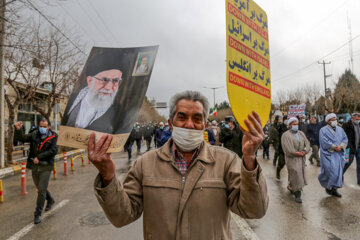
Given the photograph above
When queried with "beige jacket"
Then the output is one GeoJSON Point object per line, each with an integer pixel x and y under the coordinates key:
{"type": "Point", "coordinates": [192, 207]}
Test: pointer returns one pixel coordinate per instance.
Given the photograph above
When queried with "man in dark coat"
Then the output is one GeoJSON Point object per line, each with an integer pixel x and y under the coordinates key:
{"type": "Point", "coordinates": [352, 131]}
{"type": "Point", "coordinates": [41, 157]}
{"type": "Point", "coordinates": [148, 132]}
{"type": "Point", "coordinates": [231, 136]}
{"type": "Point", "coordinates": [275, 138]}
{"type": "Point", "coordinates": [312, 134]}
{"type": "Point", "coordinates": [158, 134]}
{"type": "Point", "coordinates": [281, 129]}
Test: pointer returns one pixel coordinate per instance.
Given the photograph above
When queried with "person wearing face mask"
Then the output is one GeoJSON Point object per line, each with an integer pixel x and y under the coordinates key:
{"type": "Point", "coordinates": [40, 160]}
{"type": "Point", "coordinates": [352, 131]}
{"type": "Point", "coordinates": [187, 188]}
{"type": "Point", "coordinates": [231, 136]}
{"type": "Point", "coordinates": [333, 142]}
{"type": "Point", "coordinates": [295, 146]}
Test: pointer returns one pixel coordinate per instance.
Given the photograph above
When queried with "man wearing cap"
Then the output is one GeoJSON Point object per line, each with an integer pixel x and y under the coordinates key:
{"type": "Point", "coordinates": [187, 188]}
{"type": "Point", "coordinates": [333, 142]}
{"type": "Point", "coordinates": [352, 131]}
{"type": "Point", "coordinates": [92, 107]}
{"type": "Point", "coordinates": [295, 146]}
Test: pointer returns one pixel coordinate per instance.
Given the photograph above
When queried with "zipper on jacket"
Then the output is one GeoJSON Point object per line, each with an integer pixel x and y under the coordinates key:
{"type": "Point", "coordinates": [183, 181]}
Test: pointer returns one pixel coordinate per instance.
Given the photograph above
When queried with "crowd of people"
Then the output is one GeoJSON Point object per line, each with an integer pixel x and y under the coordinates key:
{"type": "Point", "coordinates": [337, 141]}
{"type": "Point", "coordinates": [326, 143]}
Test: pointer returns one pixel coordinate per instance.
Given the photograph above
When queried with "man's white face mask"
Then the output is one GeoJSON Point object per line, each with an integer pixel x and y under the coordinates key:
{"type": "Point", "coordinates": [187, 139]}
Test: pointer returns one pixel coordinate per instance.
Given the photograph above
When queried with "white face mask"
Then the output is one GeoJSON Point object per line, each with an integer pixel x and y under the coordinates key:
{"type": "Point", "coordinates": [334, 123]}
{"type": "Point", "coordinates": [187, 139]}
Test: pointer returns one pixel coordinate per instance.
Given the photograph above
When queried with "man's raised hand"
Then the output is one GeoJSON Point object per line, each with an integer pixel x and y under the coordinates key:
{"type": "Point", "coordinates": [102, 160]}
{"type": "Point", "coordinates": [252, 139]}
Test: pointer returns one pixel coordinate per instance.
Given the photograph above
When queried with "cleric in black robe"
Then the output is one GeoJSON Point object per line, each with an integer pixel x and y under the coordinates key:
{"type": "Point", "coordinates": [106, 98]}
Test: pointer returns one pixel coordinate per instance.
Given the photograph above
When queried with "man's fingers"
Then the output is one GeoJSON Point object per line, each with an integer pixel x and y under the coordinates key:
{"type": "Point", "coordinates": [245, 132]}
{"type": "Point", "coordinates": [100, 143]}
{"type": "Point", "coordinates": [257, 124]}
{"type": "Point", "coordinates": [106, 145]}
{"type": "Point", "coordinates": [257, 117]}
{"type": "Point", "coordinates": [251, 128]}
{"type": "Point", "coordinates": [91, 144]}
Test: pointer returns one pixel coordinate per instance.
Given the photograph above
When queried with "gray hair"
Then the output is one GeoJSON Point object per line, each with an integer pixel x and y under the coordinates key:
{"type": "Point", "coordinates": [355, 114]}
{"type": "Point", "coordinates": [188, 95]}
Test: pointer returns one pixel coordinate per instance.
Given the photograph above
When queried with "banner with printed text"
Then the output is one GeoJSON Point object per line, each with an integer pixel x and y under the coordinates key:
{"type": "Point", "coordinates": [248, 60]}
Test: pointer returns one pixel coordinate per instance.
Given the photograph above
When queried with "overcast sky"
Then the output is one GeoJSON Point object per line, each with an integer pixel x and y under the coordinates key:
{"type": "Point", "coordinates": [191, 35]}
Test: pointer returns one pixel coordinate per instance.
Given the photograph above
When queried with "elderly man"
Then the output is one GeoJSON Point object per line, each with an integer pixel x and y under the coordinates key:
{"type": "Point", "coordinates": [295, 146]}
{"type": "Point", "coordinates": [333, 142]}
{"type": "Point", "coordinates": [186, 188]}
{"type": "Point", "coordinates": [352, 130]}
{"type": "Point", "coordinates": [92, 105]}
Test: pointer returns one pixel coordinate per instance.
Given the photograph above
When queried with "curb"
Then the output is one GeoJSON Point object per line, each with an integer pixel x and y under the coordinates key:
{"type": "Point", "coordinates": [10, 171]}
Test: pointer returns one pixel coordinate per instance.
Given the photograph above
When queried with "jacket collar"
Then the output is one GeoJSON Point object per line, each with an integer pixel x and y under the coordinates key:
{"type": "Point", "coordinates": [205, 154]}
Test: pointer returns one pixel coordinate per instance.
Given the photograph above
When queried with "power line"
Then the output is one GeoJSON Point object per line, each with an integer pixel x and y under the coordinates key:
{"type": "Point", "coordinates": [73, 18]}
{"type": "Point", "coordinates": [92, 20]}
{"type": "Point", "coordinates": [278, 53]}
{"type": "Point", "coordinates": [309, 65]}
{"type": "Point", "coordinates": [54, 26]}
{"type": "Point", "coordinates": [104, 23]}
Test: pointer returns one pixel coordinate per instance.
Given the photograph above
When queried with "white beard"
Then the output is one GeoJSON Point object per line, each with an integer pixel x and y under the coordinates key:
{"type": "Point", "coordinates": [93, 106]}
{"type": "Point", "coordinates": [99, 101]}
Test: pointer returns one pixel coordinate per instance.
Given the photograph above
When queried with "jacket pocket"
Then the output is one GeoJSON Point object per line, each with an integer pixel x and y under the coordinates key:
{"type": "Point", "coordinates": [210, 183]}
{"type": "Point", "coordinates": [161, 182]}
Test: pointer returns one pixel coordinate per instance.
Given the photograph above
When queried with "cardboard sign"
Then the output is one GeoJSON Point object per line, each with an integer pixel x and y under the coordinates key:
{"type": "Point", "coordinates": [108, 96]}
{"type": "Point", "coordinates": [248, 60]}
{"type": "Point", "coordinates": [296, 110]}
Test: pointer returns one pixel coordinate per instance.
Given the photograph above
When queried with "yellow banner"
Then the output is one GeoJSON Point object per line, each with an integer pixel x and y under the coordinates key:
{"type": "Point", "coordinates": [248, 60]}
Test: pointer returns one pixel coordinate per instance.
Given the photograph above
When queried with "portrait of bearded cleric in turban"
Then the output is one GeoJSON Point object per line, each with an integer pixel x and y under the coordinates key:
{"type": "Point", "coordinates": [107, 97]}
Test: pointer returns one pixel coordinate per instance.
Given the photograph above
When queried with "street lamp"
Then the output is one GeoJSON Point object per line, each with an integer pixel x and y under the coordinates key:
{"type": "Point", "coordinates": [214, 88]}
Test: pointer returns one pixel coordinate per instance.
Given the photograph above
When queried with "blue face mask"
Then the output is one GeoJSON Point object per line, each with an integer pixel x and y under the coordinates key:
{"type": "Point", "coordinates": [295, 128]}
{"type": "Point", "coordinates": [161, 128]}
{"type": "Point", "coordinates": [227, 126]}
{"type": "Point", "coordinates": [42, 130]}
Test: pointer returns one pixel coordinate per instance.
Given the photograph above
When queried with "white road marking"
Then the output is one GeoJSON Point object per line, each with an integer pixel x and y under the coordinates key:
{"type": "Point", "coordinates": [30, 226]}
{"type": "Point", "coordinates": [246, 230]}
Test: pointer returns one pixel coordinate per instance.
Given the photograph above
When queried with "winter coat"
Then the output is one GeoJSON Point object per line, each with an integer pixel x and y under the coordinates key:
{"type": "Point", "coordinates": [350, 133]}
{"type": "Point", "coordinates": [232, 139]}
{"type": "Point", "coordinates": [312, 133]}
{"type": "Point", "coordinates": [196, 206]}
{"type": "Point", "coordinates": [44, 149]}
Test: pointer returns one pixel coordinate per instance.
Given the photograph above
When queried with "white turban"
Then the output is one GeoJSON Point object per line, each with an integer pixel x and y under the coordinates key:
{"type": "Point", "coordinates": [330, 116]}
{"type": "Point", "coordinates": [291, 120]}
{"type": "Point", "coordinates": [214, 122]}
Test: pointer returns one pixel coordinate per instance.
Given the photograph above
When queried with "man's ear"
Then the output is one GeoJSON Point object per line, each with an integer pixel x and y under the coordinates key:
{"type": "Point", "coordinates": [170, 125]}
{"type": "Point", "coordinates": [89, 79]}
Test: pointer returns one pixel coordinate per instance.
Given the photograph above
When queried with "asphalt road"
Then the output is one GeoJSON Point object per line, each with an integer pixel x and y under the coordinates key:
{"type": "Point", "coordinates": [80, 217]}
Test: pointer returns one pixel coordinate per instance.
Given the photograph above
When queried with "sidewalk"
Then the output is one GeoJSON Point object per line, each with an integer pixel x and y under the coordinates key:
{"type": "Point", "coordinates": [16, 169]}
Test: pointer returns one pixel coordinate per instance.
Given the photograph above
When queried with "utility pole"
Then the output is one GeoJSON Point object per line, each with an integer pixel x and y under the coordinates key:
{"type": "Point", "coordinates": [325, 76]}
{"type": "Point", "coordinates": [2, 84]}
{"type": "Point", "coordinates": [214, 91]}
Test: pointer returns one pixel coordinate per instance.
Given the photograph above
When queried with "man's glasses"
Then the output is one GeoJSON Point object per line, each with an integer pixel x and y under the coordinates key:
{"type": "Point", "coordinates": [106, 80]}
